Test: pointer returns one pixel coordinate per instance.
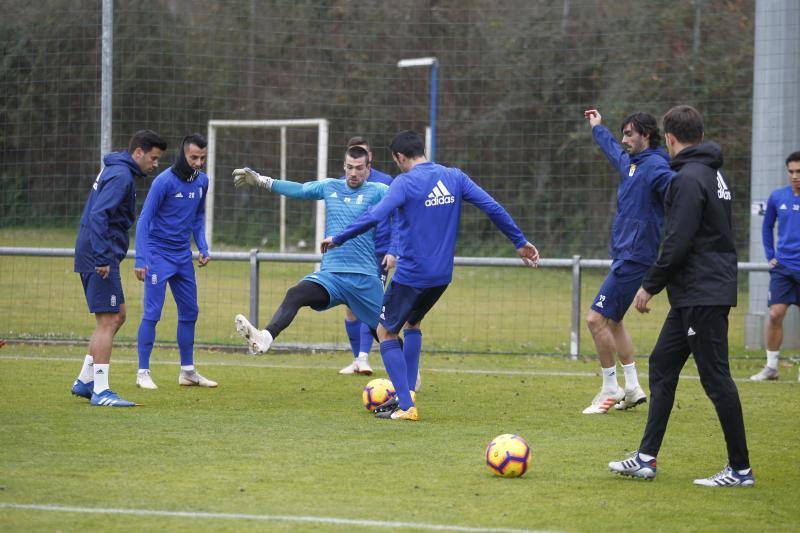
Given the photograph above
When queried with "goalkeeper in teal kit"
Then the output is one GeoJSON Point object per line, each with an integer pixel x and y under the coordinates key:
{"type": "Point", "coordinates": [347, 277]}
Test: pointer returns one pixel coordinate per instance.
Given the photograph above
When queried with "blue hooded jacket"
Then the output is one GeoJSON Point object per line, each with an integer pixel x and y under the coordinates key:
{"type": "Point", "coordinates": [108, 214]}
{"type": "Point", "coordinates": [636, 231]}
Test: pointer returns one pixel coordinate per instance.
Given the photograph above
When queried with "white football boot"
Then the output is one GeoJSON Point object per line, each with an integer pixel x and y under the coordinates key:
{"type": "Point", "coordinates": [632, 398]}
{"type": "Point", "coordinates": [144, 380]}
{"type": "Point", "coordinates": [194, 379]}
{"type": "Point", "coordinates": [360, 365]}
{"type": "Point", "coordinates": [766, 374]}
{"type": "Point", "coordinates": [258, 341]}
{"type": "Point", "coordinates": [603, 401]}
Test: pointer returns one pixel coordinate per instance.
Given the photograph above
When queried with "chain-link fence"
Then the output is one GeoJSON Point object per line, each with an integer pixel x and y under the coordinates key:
{"type": "Point", "coordinates": [513, 80]}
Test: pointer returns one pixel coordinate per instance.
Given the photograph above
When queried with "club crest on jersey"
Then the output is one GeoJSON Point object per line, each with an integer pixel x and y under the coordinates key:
{"type": "Point", "coordinates": [439, 196]}
{"type": "Point", "coordinates": [632, 170]}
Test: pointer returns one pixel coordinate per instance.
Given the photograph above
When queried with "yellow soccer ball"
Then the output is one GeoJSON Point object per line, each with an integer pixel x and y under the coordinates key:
{"type": "Point", "coordinates": [376, 392]}
{"type": "Point", "coordinates": [508, 456]}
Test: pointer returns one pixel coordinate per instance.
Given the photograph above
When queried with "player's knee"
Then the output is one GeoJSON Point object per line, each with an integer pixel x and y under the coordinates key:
{"type": "Point", "coordinates": [776, 315]}
{"type": "Point", "coordinates": [119, 318]}
{"type": "Point", "coordinates": [189, 314]}
{"type": "Point", "coordinates": [595, 321]}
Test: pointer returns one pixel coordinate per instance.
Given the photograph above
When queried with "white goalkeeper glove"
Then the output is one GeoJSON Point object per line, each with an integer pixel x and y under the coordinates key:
{"type": "Point", "coordinates": [248, 176]}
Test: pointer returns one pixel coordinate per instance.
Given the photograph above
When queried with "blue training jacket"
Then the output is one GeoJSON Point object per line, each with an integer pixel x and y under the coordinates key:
{"type": "Point", "coordinates": [784, 207]}
{"type": "Point", "coordinates": [636, 231]}
{"type": "Point", "coordinates": [428, 201]}
{"type": "Point", "coordinates": [108, 215]}
{"type": "Point", "coordinates": [173, 212]}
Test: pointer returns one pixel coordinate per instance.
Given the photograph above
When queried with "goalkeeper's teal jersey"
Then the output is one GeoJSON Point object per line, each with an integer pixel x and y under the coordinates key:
{"type": "Point", "coordinates": [343, 205]}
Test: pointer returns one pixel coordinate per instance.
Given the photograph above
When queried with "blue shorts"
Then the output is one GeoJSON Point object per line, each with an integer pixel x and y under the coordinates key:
{"type": "Point", "coordinates": [103, 295]}
{"type": "Point", "coordinates": [179, 273]}
{"type": "Point", "coordinates": [402, 304]}
{"type": "Point", "coordinates": [784, 286]}
{"type": "Point", "coordinates": [361, 293]}
{"type": "Point", "coordinates": [620, 286]}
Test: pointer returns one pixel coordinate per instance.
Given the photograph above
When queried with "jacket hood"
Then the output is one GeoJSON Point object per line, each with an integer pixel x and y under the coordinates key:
{"type": "Point", "coordinates": [707, 153]}
{"type": "Point", "coordinates": [651, 152]}
{"type": "Point", "coordinates": [122, 158]}
{"type": "Point", "coordinates": [181, 167]}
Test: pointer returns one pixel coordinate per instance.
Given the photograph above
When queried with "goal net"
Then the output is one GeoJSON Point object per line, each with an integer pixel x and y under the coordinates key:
{"type": "Point", "coordinates": [216, 127]}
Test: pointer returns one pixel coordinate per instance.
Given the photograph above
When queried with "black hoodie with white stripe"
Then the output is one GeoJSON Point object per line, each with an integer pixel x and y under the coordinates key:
{"type": "Point", "coordinates": [697, 261]}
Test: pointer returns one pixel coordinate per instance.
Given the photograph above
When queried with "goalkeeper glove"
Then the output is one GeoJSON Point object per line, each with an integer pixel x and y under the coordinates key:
{"type": "Point", "coordinates": [248, 176]}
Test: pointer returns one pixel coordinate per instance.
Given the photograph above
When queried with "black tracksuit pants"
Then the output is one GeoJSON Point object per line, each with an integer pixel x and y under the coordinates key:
{"type": "Point", "coordinates": [702, 331]}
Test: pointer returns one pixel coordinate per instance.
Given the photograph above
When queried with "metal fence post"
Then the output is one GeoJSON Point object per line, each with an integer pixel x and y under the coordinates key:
{"type": "Point", "coordinates": [254, 266]}
{"type": "Point", "coordinates": [575, 333]}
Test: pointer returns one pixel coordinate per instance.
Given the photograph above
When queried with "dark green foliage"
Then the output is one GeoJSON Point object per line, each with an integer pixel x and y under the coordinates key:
{"type": "Point", "coordinates": [515, 77]}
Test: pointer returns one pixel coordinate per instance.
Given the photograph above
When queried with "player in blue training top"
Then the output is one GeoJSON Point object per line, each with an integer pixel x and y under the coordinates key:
{"type": "Point", "coordinates": [348, 277]}
{"type": "Point", "coordinates": [783, 206]}
{"type": "Point", "coordinates": [644, 171]}
{"type": "Point", "coordinates": [359, 333]}
{"type": "Point", "coordinates": [173, 212]}
{"type": "Point", "coordinates": [101, 246]}
{"type": "Point", "coordinates": [428, 199]}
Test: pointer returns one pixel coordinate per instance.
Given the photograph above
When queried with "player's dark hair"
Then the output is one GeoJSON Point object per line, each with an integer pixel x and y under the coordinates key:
{"type": "Point", "coordinates": [358, 152]}
{"type": "Point", "coordinates": [409, 143]}
{"type": "Point", "coordinates": [794, 156]}
{"type": "Point", "coordinates": [358, 141]}
{"type": "Point", "coordinates": [146, 140]}
{"type": "Point", "coordinates": [644, 124]}
{"type": "Point", "coordinates": [685, 123]}
{"type": "Point", "coordinates": [195, 139]}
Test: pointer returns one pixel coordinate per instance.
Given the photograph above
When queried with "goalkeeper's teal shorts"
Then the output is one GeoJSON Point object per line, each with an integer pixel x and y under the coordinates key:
{"type": "Point", "coordinates": [362, 293]}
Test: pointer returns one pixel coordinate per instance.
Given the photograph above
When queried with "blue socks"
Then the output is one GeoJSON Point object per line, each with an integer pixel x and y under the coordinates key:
{"type": "Point", "coordinates": [395, 364]}
{"type": "Point", "coordinates": [353, 329]}
{"type": "Point", "coordinates": [145, 340]}
{"type": "Point", "coordinates": [186, 342]}
{"type": "Point", "coordinates": [147, 336]}
{"type": "Point", "coordinates": [412, 346]}
{"type": "Point", "coordinates": [366, 339]}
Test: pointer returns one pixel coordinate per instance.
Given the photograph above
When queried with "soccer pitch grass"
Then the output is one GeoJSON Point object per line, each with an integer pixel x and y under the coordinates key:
{"type": "Point", "coordinates": [284, 444]}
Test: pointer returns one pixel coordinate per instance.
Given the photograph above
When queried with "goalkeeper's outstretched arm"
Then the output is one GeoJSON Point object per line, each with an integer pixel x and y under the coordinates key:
{"type": "Point", "coordinates": [311, 190]}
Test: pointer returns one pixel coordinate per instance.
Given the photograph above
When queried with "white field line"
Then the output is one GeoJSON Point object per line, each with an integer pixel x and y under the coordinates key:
{"type": "Point", "coordinates": [264, 518]}
{"type": "Point", "coordinates": [265, 364]}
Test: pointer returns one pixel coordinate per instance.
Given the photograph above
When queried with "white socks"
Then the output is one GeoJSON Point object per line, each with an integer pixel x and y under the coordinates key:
{"type": "Point", "coordinates": [645, 457]}
{"type": "Point", "coordinates": [87, 370]}
{"type": "Point", "coordinates": [610, 378]}
{"type": "Point", "coordinates": [363, 355]}
{"type": "Point", "coordinates": [772, 359]}
{"type": "Point", "coordinates": [100, 378]}
{"type": "Point", "coordinates": [631, 376]}
{"type": "Point", "coordinates": [187, 368]}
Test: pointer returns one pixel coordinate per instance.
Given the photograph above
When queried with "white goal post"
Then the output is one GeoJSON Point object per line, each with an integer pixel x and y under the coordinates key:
{"type": "Point", "coordinates": [322, 167]}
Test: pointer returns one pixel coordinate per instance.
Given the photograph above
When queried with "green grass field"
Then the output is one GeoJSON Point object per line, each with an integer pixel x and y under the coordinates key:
{"type": "Point", "coordinates": [285, 440]}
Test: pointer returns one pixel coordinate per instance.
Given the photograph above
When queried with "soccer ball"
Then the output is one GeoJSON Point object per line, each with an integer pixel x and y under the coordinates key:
{"type": "Point", "coordinates": [376, 392]}
{"type": "Point", "coordinates": [508, 456]}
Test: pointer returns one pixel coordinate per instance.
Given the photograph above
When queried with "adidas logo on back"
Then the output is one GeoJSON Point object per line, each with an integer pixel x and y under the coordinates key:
{"type": "Point", "coordinates": [723, 193]}
{"type": "Point", "coordinates": [439, 196]}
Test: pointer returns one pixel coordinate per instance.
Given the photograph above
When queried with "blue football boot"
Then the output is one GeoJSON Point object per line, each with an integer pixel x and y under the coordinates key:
{"type": "Point", "coordinates": [109, 398]}
{"type": "Point", "coordinates": [84, 390]}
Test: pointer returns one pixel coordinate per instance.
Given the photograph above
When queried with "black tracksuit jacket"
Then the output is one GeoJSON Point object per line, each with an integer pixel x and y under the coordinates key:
{"type": "Point", "coordinates": [697, 261]}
